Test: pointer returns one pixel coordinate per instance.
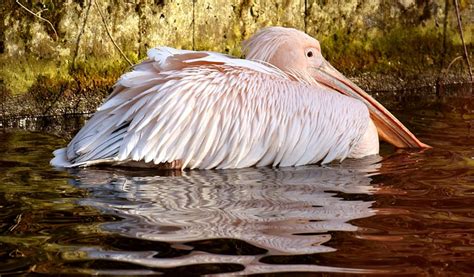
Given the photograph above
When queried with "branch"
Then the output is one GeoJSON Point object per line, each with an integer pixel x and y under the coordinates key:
{"type": "Point", "coordinates": [462, 39]}
{"type": "Point", "coordinates": [110, 36]}
{"type": "Point", "coordinates": [451, 64]}
{"type": "Point", "coordinates": [78, 41]}
{"type": "Point", "coordinates": [41, 18]}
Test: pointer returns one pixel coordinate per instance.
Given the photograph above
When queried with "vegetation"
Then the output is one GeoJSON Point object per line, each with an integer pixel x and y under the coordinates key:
{"type": "Point", "coordinates": [55, 51]}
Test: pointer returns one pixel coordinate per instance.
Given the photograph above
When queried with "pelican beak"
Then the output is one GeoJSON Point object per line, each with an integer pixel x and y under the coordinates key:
{"type": "Point", "coordinates": [388, 126]}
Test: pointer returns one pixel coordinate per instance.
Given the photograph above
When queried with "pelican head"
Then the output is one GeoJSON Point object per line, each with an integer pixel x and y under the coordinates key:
{"type": "Point", "coordinates": [299, 54]}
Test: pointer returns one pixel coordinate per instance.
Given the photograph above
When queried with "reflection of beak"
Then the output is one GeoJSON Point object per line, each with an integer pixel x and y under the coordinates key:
{"type": "Point", "coordinates": [389, 128]}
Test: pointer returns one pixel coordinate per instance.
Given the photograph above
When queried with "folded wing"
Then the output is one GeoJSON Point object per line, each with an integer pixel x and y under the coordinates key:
{"type": "Point", "coordinates": [212, 111]}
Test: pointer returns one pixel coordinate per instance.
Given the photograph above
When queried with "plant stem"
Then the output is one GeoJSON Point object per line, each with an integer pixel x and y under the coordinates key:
{"type": "Point", "coordinates": [110, 36]}
{"type": "Point", "coordinates": [456, 4]}
{"type": "Point", "coordinates": [41, 18]}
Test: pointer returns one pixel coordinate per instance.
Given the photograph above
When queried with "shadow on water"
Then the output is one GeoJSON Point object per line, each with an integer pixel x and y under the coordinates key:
{"type": "Point", "coordinates": [405, 212]}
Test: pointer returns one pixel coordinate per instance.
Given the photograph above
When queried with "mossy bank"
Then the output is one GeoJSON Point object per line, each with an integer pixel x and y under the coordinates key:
{"type": "Point", "coordinates": [57, 56]}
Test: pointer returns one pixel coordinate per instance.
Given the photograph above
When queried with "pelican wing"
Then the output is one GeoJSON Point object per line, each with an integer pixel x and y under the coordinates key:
{"type": "Point", "coordinates": [212, 111]}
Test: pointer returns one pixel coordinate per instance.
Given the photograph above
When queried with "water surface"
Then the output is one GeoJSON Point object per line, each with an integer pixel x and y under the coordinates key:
{"type": "Point", "coordinates": [403, 212]}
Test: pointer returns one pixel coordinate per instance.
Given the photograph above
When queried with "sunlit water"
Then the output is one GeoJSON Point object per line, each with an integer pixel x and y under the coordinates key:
{"type": "Point", "coordinates": [408, 212]}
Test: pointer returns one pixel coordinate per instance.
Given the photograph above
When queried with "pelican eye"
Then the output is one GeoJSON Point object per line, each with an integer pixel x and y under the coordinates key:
{"type": "Point", "coordinates": [309, 54]}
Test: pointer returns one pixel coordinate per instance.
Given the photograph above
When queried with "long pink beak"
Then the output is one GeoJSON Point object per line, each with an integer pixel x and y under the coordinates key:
{"type": "Point", "coordinates": [388, 126]}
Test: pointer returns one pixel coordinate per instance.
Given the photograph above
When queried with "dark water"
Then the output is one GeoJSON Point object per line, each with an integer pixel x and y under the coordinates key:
{"type": "Point", "coordinates": [404, 212]}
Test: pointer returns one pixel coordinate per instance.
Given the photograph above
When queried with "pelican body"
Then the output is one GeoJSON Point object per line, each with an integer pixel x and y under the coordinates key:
{"type": "Point", "coordinates": [284, 105]}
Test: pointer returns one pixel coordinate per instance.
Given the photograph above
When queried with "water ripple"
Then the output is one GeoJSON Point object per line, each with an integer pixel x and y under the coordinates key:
{"type": "Point", "coordinates": [284, 211]}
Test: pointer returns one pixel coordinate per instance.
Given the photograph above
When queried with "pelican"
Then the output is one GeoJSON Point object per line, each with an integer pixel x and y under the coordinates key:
{"type": "Point", "coordinates": [284, 105]}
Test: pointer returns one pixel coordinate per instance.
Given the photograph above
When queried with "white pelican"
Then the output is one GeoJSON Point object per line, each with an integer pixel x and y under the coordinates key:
{"type": "Point", "coordinates": [284, 105]}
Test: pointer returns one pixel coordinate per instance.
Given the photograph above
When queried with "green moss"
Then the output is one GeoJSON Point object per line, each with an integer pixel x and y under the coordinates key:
{"type": "Point", "coordinates": [99, 68]}
{"type": "Point", "coordinates": [20, 74]}
{"type": "Point", "coordinates": [402, 50]}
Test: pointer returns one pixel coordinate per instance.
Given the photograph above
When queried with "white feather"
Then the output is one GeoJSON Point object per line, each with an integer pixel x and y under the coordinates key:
{"type": "Point", "coordinates": [213, 111]}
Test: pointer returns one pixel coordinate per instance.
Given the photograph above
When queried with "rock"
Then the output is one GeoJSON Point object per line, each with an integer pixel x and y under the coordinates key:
{"type": "Point", "coordinates": [381, 39]}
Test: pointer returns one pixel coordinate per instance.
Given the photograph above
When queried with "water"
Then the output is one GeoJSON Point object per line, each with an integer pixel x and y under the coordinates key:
{"type": "Point", "coordinates": [405, 212]}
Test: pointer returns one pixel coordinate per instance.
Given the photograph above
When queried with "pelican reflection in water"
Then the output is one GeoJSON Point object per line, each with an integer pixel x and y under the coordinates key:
{"type": "Point", "coordinates": [286, 211]}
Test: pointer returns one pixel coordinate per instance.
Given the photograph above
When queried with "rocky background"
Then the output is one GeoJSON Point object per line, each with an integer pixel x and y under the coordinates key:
{"type": "Point", "coordinates": [63, 56]}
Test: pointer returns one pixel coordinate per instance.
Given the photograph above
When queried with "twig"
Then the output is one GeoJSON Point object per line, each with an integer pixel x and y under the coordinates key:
{"type": "Point", "coordinates": [110, 36]}
{"type": "Point", "coordinates": [41, 18]}
{"type": "Point", "coordinates": [445, 28]}
{"type": "Point", "coordinates": [451, 63]}
{"type": "Point", "coordinates": [462, 39]}
{"type": "Point", "coordinates": [442, 73]}
{"type": "Point", "coordinates": [40, 12]}
{"type": "Point", "coordinates": [17, 223]}
{"type": "Point", "coordinates": [194, 24]}
{"type": "Point", "coordinates": [78, 41]}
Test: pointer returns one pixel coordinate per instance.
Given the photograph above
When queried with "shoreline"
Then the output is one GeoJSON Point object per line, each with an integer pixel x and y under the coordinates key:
{"type": "Point", "coordinates": [388, 90]}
